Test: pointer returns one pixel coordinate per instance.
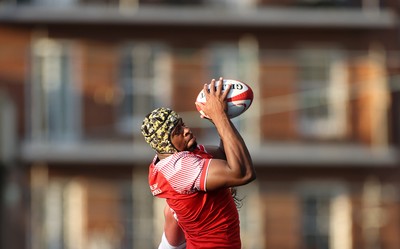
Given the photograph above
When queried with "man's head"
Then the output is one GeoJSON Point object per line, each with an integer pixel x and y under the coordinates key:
{"type": "Point", "coordinates": [157, 127]}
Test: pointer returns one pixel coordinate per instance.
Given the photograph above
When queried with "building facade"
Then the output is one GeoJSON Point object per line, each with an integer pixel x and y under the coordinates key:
{"type": "Point", "coordinates": [77, 78]}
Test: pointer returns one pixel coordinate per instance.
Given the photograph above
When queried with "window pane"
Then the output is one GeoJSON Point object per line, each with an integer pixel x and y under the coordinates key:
{"type": "Point", "coordinates": [321, 83]}
{"type": "Point", "coordinates": [142, 67]}
{"type": "Point", "coordinates": [54, 104]}
{"type": "Point", "coordinates": [223, 61]}
{"type": "Point", "coordinates": [316, 222]}
{"type": "Point", "coordinates": [324, 212]}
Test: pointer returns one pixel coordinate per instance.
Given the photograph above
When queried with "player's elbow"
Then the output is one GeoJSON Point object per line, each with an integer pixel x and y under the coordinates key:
{"type": "Point", "coordinates": [248, 176]}
{"type": "Point", "coordinates": [251, 176]}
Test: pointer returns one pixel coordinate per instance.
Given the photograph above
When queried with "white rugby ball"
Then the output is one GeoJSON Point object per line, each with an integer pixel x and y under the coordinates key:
{"type": "Point", "coordinates": [239, 98]}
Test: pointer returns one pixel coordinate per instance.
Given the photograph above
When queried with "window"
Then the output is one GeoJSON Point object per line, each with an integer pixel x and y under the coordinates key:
{"type": "Point", "coordinates": [322, 93]}
{"type": "Point", "coordinates": [54, 104]}
{"type": "Point", "coordinates": [72, 209]}
{"type": "Point", "coordinates": [223, 61]}
{"type": "Point", "coordinates": [315, 221]}
{"type": "Point", "coordinates": [325, 216]}
{"type": "Point", "coordinates": [87, 213]}
{"type": "Point", "coordinates": [144, 81]}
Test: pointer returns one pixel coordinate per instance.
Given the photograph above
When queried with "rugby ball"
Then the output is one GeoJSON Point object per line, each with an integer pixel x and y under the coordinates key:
{"type": "Point", "coordinates": [239, 98]}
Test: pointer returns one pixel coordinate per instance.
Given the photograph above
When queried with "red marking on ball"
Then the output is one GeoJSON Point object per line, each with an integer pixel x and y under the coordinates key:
{"type": "Point", "coordinates": [239, 98]}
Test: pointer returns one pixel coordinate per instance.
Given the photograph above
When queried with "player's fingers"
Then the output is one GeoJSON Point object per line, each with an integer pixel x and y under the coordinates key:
{"type": "Point", "coordinates": [220, 85]}
{"type": "Point", "coordinates": [226, 91]}
{"type": "Point", "coordinates": [205, 90]}
{"type": "Point", "coordinates": [199, 107]}
{"type": "Point", "coordinates": [212, 86]}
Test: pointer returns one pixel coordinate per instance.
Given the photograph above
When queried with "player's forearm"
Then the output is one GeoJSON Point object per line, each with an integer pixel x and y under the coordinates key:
{"type": "Point", "coordinates": [172, 230]}
{"type": "Point", "coordinates": [237, 154]}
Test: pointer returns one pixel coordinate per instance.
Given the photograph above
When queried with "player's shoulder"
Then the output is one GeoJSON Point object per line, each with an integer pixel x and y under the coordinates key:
{"type": "Point", "coordinates": [174, 158]}
{"type": "Point", "coordinates": [198, 153]}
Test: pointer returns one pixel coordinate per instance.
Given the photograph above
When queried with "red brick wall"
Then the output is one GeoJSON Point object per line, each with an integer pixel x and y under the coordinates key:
{"type": "Point", "coordinates": [277, 85]}
{"type": "Point", "coordinates": [188, 77]}
{"type": "Point", "coordinates": [14, 65]}
{"type": "Point", "coordinates": [282, 221]}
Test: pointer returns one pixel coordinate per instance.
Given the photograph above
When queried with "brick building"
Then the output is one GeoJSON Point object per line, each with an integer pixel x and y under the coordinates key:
{"type": "Point", "coordinates": [77, 78]}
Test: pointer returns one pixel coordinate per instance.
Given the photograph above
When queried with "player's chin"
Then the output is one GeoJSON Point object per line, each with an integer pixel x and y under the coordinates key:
{"type": "Point", "coordinates": [192, 144]}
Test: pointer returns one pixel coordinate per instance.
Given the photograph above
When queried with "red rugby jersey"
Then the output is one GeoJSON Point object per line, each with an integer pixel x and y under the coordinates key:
{"type": "Point", "coordinates": [209, 219]}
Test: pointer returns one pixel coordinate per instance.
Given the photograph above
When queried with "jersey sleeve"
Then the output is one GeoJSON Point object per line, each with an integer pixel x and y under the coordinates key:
{"type": "Point", "coordinates": [188, 173]}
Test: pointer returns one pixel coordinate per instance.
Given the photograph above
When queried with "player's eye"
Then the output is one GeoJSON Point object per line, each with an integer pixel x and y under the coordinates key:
{"type": "Point", "coordinates": [178, 130]}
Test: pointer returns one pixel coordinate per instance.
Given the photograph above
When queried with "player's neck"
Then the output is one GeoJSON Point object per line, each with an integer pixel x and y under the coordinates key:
{"type": "Point", "coordinates": [162, 156]}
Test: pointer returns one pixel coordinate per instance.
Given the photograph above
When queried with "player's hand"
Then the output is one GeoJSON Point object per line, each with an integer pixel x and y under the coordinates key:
{"type": "Point", "coordinates": [215, 99]}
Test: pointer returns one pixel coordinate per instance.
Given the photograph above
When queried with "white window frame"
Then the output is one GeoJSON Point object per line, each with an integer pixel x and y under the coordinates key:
{"type": "Point", "coordinates": [334, 86]}
{"type": "Point", "coordinates": [54, 103]}
{"type": "Point", "coordinates": [145, 84]}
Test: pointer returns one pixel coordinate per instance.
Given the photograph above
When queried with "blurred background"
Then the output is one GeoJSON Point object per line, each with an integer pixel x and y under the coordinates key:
{"type": "Point", "coordinates": [77, 78]}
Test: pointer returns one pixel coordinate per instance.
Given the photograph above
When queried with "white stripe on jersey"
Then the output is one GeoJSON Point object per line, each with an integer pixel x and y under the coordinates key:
{"type": "Point", "coordinates": [182, 170]}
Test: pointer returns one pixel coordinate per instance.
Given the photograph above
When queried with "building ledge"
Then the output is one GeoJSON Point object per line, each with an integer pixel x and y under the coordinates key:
{"type": "Point", "coordinates": [330, 155]}
{"type": "Point", "coordinates": [201, 16]}
{"type": "Point", "coordinates": [319, 155]}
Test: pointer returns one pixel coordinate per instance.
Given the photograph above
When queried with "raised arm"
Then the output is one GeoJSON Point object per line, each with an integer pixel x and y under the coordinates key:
{"type": "Point", "coordinates": [238, 168]}
{"type": "Point", "coordinates": [217, 152]}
